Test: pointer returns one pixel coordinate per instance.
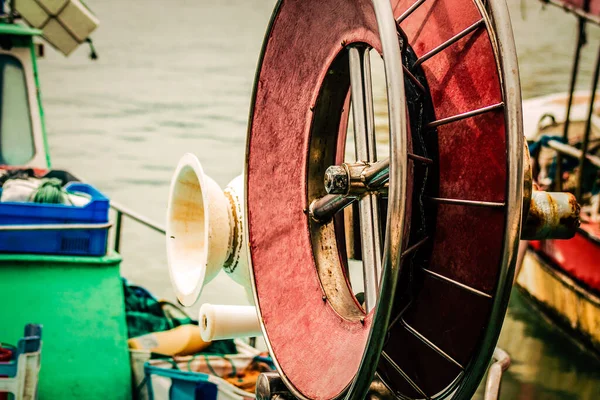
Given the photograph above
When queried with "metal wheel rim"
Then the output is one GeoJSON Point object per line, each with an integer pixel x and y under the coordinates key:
{"type": "Point", "coordinates": [397, 195]}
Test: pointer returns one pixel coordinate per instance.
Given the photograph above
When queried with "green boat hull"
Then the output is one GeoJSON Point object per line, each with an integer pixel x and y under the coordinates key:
{"type": "Point", "coordinates": [79, 302]}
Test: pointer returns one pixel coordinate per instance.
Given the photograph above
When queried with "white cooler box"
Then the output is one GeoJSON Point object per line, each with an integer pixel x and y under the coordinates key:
{"type": "Point", "coordinates": [65, 23]}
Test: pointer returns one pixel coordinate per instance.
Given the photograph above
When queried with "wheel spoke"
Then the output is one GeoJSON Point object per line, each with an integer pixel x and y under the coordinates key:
{"type": "Point", "coordinates": [410, 10]}
{"type": "Point", "coordinates": [364, 140]}
{"type": "Point", "coordinates": [429, 343]}
{"type": "Point", "coordinates": [414, 79]}
{"type": "Point", "coordinates": [449, 42]}
{"type": "Point", "coordinates": [472, 203]}
{"type": "Point", "coordinates": [399, 370]}
{"type": "Point", "coordinates": [415, 247]}
{"type": "Point", "coordinates": [370, 229]}
{"type": "Point", "coordinates": [455, 283]}
{"type": "Point", "coordinates": [362, 104]}
{"type": "Point", "coordinates": [468, 114]}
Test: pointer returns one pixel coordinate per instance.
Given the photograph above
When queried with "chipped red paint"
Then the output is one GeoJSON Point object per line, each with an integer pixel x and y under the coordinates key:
{"type": "Point", "coordinates": [578, 257]}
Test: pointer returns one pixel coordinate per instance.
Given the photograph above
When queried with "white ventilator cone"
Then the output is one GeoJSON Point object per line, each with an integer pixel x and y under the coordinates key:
{"type": "Point", "coordinates": [204, 231]}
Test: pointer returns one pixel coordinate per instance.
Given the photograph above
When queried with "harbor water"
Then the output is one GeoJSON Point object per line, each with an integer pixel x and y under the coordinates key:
{"type": "Point", "coordinates": [176, 77]}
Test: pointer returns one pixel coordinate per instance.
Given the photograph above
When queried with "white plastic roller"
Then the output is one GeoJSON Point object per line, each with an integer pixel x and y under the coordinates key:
{"type": "Point", "coordinates": [219, 322]}
{"type": "Point", "coordinates": [204, 231]}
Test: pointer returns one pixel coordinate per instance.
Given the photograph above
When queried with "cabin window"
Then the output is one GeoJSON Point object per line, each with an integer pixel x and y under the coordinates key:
{"type": "Point", "coordinates": [16, 134]}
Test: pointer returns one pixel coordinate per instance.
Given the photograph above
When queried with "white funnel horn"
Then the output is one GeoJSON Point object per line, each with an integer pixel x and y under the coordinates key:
{"type": "Point", "coordinates": [204, 231]}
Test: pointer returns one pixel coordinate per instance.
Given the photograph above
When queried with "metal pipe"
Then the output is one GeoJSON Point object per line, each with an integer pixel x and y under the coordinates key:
{"type": "Point", "coordinates": [582, 14]}
{"type": "Point", "coordinates": [574, 72]}
{"type": "Point", "coordinates": [377, 174]}
{"type": "Point", "coordinates": [54, 227]}
{"type": "Point", "coordinates": [588, 129]}
{"type": "Point", "coordinates": [137, 217]}
{"type": "Point", "coordinates": [492, 384]}
{"type": "Point", "coordinates": [321, 210]}
{"type": "Point", "coordinates": [574, 152]}
{"type": "Point", "coordinates": [118, 225]}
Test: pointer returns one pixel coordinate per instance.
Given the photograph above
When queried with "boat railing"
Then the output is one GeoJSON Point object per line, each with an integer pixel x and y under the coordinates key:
{"type": "Point", "coordinates": [122, 211]}
{"type": "Point", "coordinates": [582, 154]}
{"type": "Point", "coordinates": [580, 12]}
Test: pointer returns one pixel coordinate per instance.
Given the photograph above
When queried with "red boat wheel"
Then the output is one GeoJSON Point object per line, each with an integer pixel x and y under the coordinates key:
{"type": "Point", "coordinates": [439, 264]}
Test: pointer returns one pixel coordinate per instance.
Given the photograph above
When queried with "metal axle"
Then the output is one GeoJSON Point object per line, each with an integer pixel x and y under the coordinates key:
{"type": "Point", "coordinates": [549, 215]}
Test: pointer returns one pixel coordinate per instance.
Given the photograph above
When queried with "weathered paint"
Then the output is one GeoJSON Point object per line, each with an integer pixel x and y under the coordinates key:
{"type": "Point", "coordinates": [79, 301]}
{"type": "Point", "coordinates": [551, 216]}
{"type": "Point", "coordinates": [468, 242]}
{"type": "Point", "coordinates": [561, 296]}
{"type": "Point", "coordinates": [578, 257]}
{"type": "Point", "coordinates": [18, 30]}
{"type": "Point", "coordinates": [24, 50]}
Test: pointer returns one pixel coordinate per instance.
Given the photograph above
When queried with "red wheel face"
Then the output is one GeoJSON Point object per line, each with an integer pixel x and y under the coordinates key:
{"type": "Point", "coordinates": [299, 324]}
{"type": "Point", "coordinates": [451, 284]}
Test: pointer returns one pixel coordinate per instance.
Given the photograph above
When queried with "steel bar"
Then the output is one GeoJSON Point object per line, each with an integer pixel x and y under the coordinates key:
{"type": "Point", "coordinates": [574, 72]}
{"type": "Point", "coordinates": [323, 209]}
{"type": "Point", "coordinates": [421, 159]}
{"type": "Point", "coordinates": [568, 150]}
{"type": "Point", "coordinates": [429, 343]}
{"type": "Point", "coordinates": [410, 10]}
{"type": "Point", "coordinates": [137, 217]}
{"type": "Point", "coordinates": [118, 227]}
{"type": "Point", "coordinates": [365, 146]}
{"type": "Point", "coordinates": [415, 247]}
{"type": "Point", "coordinates": [404, 375]}
{"type": "Point", "coordinates": [588, 130]}
{"type": "Point", "coordinates": [473, 203]}
{"type": "Point", "coordinates": [414, 79]}
{"type": "Point", "coordinates": [455, 283]}
{"type": "Point", "coordinates": [448, 43]}
{"type": "Point", "coordinates": [501, 364]}
{"type": "Point", "coordinates": [54, 227]}
{"type": "Point", "coordinates": [468, 114]}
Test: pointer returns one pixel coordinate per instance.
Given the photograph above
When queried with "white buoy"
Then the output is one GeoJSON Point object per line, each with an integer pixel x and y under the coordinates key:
{"type": "Point", "coordinates": [218, 322]}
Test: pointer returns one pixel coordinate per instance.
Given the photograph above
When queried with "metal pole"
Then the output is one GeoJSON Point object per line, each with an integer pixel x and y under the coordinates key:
{"type": "Point", "coordinates": [118, 225]}
{"type": "Point", "coordinates": [580, 43]}
{"type": "Point", "coordinates": [501, 364]}
{"type": "Point", "coordinates": [11, 13]}
{"type": "Point", "coordinates": [588, 128]}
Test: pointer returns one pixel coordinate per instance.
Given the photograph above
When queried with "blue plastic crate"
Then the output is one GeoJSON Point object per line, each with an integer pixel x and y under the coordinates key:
{"type": "Point", "coordinates": [83, 242]}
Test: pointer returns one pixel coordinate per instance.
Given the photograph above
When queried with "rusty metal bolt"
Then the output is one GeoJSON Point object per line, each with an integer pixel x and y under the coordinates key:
{"type": "Point", "coordinates": [336, 180]}
{"type": "Point", "coordinates": [551, 216]}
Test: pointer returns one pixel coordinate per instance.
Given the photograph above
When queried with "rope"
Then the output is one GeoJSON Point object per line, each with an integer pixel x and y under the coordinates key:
{"type": "Point", "coordinates": [50, 191]}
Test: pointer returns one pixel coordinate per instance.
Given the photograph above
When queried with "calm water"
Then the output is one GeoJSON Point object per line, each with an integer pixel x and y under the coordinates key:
{"type": "Point", "coordinates": [176, 79]}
